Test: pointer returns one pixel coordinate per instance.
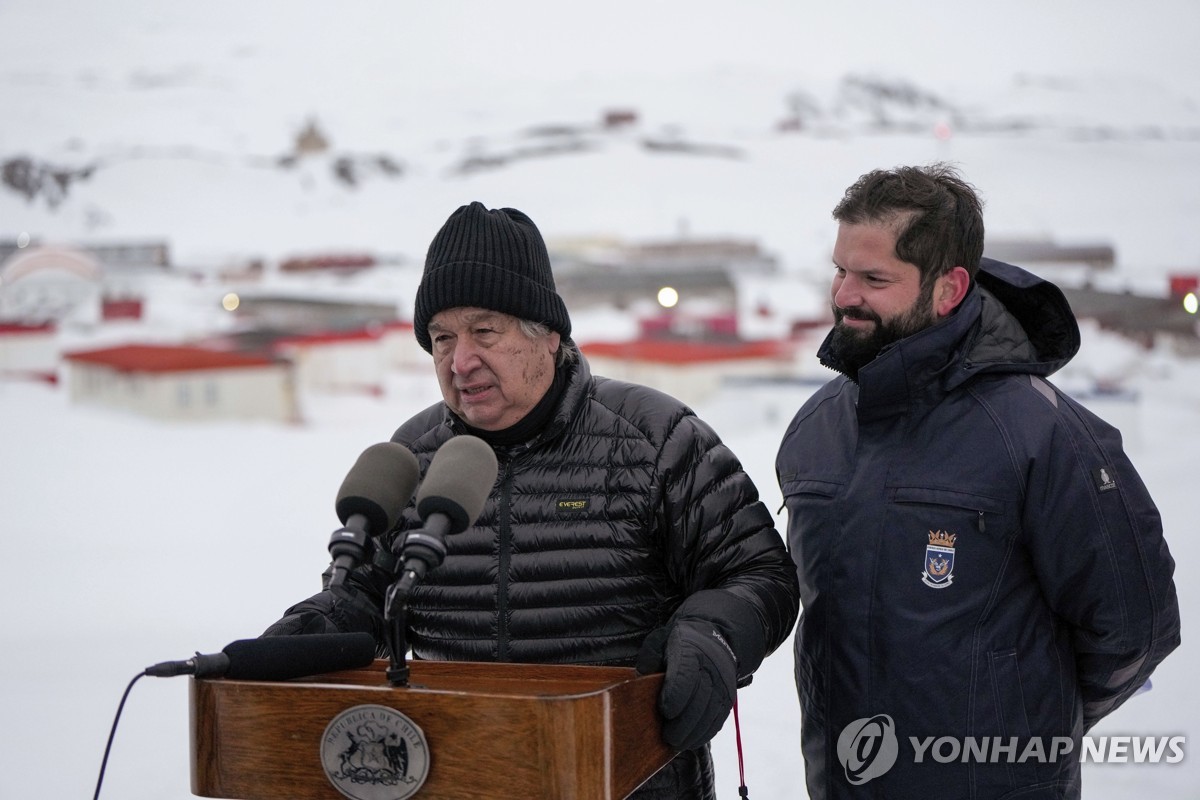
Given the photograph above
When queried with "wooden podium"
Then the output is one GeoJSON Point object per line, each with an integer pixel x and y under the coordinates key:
{"type": "Point", "coordinates": [477, 731]}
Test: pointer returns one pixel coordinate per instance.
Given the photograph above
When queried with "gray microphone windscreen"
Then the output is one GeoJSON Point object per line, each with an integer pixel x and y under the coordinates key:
{"type": "Point", "coordinates": [458, 481]}
{"type": "Point", "coordinates": [379, 486]}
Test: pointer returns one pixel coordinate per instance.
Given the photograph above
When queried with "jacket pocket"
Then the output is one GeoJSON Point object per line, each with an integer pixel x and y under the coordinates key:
{"type": "Point", "coordinates": [1009, 695]}
{"type": "Point", "coordinates": [811, 531]}
{"type": "Point", "coordinates": [956, 541]}
{"type": "Point", "coordinates": [974, 512]}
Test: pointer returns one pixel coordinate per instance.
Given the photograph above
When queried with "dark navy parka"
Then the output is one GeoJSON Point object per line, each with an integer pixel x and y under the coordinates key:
{"type": "Point", "coordinates": [977, 556]}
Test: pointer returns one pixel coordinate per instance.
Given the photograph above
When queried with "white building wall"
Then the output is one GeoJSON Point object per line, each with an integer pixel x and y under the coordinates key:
{"type": "Point", "coordinates": [258, 393]}
{"type": "Point", "coordinates": [402, 351]}
{"type": "Point", "coordinates": [32, 352]}
{"type": "Point", "coordinates": [332, 366]}
{"type": "Point", "coordinates": [691, 383]}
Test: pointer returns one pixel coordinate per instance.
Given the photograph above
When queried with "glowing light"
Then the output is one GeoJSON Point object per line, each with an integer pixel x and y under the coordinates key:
{"type": "Point", "coordinates": [230, 301]}
{"type": "Point", "coordinates": [667, 297]}
{"type": "Point", "coordinates": [1191, 303]}
{"type": "Point", "coordinates": [942, 131]}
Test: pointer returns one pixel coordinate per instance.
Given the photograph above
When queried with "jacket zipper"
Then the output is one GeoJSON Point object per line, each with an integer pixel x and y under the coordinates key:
{"type": "Point", "coordinates": [505, 519]}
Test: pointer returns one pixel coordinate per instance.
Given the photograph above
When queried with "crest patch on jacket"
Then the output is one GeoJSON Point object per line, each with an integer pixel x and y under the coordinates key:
{"type": "Point", "coordinates": [939, 560]}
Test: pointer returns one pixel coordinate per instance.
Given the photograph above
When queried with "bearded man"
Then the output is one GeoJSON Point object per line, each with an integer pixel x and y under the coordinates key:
{"type": "Point", "coordinates": [978, 558]}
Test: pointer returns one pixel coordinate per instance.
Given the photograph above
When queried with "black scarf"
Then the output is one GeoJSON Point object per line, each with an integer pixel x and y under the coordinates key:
{"type": "Point", "coordinates": [532, 423]}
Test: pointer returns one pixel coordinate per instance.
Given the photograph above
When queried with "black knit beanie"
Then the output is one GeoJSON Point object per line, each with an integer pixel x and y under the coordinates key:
{"type": "Point", "coordinates": [492, 259]}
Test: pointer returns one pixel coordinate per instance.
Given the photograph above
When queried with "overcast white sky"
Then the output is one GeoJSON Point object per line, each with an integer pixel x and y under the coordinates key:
{"type": "Point", "coordinates": [351, 52]}
{"type": "Point", "coordinates": [446, 43]}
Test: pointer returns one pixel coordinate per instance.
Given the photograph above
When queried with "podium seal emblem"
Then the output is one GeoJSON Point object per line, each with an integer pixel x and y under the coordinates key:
{"type": "Point", "coordinates": [373, 752]}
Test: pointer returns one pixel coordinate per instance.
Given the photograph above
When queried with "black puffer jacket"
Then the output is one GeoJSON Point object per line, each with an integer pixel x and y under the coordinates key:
{"type": "Point", "coordinates": [595, 533]}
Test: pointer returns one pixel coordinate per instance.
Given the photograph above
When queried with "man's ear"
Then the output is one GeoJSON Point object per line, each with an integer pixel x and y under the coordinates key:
{"type": "Point", "coordinates": [949, 290]}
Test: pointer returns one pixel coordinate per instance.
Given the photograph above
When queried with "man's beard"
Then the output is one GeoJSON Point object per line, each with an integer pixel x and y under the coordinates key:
{"type": "Point", "coordinates": [850, 350]}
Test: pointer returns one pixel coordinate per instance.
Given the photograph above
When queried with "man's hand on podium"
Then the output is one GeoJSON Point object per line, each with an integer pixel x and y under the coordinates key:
{"type": "Point", "coordinates": [700, 680]}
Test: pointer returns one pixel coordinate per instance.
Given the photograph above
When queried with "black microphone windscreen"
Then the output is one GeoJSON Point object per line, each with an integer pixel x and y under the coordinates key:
{"type": "Point", "coordinates": [280, 658]}
{"type": "Point", "coordinates": [379, 486]}
{"type": "Point", "coordinates": [458, 481]}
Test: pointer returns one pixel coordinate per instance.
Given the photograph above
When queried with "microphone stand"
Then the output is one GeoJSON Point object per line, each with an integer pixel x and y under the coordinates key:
{"type": "Point", "coordinates": [349, 545]}
{"type": "Point", "coordinates": [421, 551]}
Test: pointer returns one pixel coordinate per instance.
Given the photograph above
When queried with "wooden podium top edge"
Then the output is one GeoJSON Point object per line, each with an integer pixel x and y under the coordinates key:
{"type": "Point", "coordinates": [477, 677]}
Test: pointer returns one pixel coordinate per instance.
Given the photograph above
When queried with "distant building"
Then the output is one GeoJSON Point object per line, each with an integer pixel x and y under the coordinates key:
{"type": "Point", "coordinates": [29, 351]}
{"type": "Point", "coordinates": [1034, 254]}
{"type": "Point", "coordinates": [116, 255]}
{"type": "Point", "coordinates": [121, 308]}
{"type": "Point", "coordinates": [699, 270]}
{"type": "Point", "coordinates": [620, 117]}
{"type": "Point", "coordinates": [1086, 275]}
{"type": "Point", "coordinates": [401, 348]}
{"type": "Point", "coordinates": [183, 383]}
{"type": "Point", "coordinates": [721, 327]}
{"type": "Point", "coordinates": [629, 288]}
{"type": "Point", "coordinates": [690, 370]}
{"type": "Point", "coordinates": [311, 312]}
{"type": "Point", "coordinates": [311, 140]}
{"type": "Point", "coordinates": [130, 256]}
{"type": "Point", "coordinates": [1141, 318]}
{"type": "Point", "coordinates": [338, 361]}
{"type": "Point", "coordinates": [1182, 284]}
{"type": "Point", "coordinates": [734, 255]}
{"type": "Point", "coordinates": [334, 263]}
{"type": "Point", "coordinates": [40, 282]}
{"type": "Point", "coordinates": [45, 284]}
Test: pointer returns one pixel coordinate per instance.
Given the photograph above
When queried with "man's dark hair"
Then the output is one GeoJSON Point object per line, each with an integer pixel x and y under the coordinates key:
{"type": "Point", "coordinates": [937, 216]}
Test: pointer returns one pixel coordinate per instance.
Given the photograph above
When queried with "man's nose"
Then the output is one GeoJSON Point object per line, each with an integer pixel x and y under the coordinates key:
{"type": "Point", "coordinates": [846, 292]}
{"type": "Point", "coordinates": [465, 357]}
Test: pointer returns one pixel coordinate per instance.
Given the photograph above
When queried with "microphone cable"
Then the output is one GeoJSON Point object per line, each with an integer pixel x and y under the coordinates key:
{"type": "Point", "coordinates": [112, 733]}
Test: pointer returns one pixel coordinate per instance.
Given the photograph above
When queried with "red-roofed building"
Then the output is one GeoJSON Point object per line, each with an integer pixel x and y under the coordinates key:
{"type": "Point", "coordinates": [182, 382]}
{"type": "Point", "coordinates": [29, 351]}
{"type": "Point", "coordinates": [352, 360]}
{"type": "Point", "coordinates": [337, 360]}
{"type": "Point", "coordinates": [400, 344]}
{"type": "Point", "coordinates": [689, 369]}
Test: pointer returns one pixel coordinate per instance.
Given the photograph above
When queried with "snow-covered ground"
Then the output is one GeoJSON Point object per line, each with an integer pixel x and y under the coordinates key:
{"type": "Point", "coordinates": [131, 542]}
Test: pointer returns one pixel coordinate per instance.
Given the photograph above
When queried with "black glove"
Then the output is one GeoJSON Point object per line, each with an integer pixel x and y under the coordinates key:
{"type": "Point", "coordinates": [700, 681]}
{"type": "Point", "coordinates": [301, 623]}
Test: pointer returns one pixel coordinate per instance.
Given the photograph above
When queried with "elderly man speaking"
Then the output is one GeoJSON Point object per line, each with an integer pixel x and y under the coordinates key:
{"type": "Point", "coordinates": [664, 558]}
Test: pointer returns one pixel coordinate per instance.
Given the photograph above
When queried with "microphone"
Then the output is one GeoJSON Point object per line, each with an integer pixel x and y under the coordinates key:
{"type": "Point", "coordinates": [376, 489]}
{"type": "Point", "coordinates": [450, 499]}
{"type": "Point", "coordinates": [276, 658]}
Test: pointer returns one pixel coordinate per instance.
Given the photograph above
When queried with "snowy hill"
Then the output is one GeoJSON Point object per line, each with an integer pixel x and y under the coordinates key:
{"type": "Point", "coordinates": [182, 124]}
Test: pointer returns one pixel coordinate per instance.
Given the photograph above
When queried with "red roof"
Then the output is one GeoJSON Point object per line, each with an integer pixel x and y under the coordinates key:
{"type": "Point", "coordinates": [686, 352]}
{"type": "Point", "coordinates": [328, 337]}
{"type": "Point", "coordinates": [17, 327]}
{"type": "Point", "coordinates": [160, 358]}
{"type": "Point", "coordinates": [373, 331]}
